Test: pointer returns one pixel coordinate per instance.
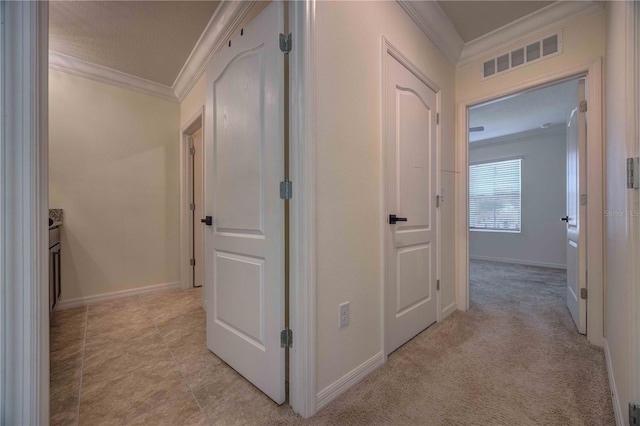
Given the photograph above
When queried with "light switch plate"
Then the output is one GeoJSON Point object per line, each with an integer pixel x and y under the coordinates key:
{"type": "Point", "coordinates": [345, 314]}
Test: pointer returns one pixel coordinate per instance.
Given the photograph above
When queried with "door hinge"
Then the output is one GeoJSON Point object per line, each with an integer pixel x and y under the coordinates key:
{"type": "Point", "coordinates": [633, 174]}
{"type": "Point", "coordinates": [438, 118]}
{"type": "Point", "coordinates": [583, 293]}
{"type": "Point", "coordinates": [285, 43]}
{"type": "Point", "coordinates": [192, 151]}
{"type": "Point", "coordinates": [634, 414]}
{"type": "Point", "coordinates": [583, 106]}
{"type": "Point", "coordinates": [583, 199]}
{"type": "Point", "coordinates": [192, 206]}
{"type": "Point", "coordinates": [438, 285]}
{"type": "Point", "coordinates": [192, 262]}
{"type": "Point", "coordinates": [437, 201]}
{"type": "Point", "coordinates": [286, 338]}
{"type": "Point", "coordinates": [286, 190]}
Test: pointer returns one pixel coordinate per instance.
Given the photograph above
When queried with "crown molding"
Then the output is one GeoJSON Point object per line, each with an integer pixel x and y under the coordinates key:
{"type": "Point", "coordinates": [432, 20]}
{"type": "Point", "coordinates": [554, 15]}
{"type": "Point", "coordinates": [80, 68]}
{"type": "Point", "coordinates": [224, 21]}
{"type": "Point", "coordinates": [220, 27]}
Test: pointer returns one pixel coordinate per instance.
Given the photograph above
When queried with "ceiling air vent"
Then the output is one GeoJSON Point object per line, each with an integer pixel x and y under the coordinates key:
{"type": "Point", "coordinates": [544, 48]}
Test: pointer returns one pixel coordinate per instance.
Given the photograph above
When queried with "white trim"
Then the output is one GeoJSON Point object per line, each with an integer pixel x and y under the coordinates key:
{"type": "Point", "coordinates": [448, 310]}
{"type": "Point", "coordinates": [538, 22]}
{"type": "Point", "coordinates": [224, 21]}
{"type": "Point", "coordinates": [435, 23]}
{"type": "Point", "coordinates": [617, 408]}
{"type": "Point", "coordinates": [105, 297]}
{"type": "Point", "coordinates": [595, 181]}
{"type": "Point", "coordinates": [302, 209]}
{"type": "Point", "coordinates": [24, 259]}
{"type": "Point", "coordinates": [335, 389]}
{"type": "Point", "coordinates": [633, 199]}
{"type": "Point", "coordinates": [520, 262]}
{"type": "Point", "coordinates": [186, 232]}
{"type": "Point", "coordinates": [80, 68]}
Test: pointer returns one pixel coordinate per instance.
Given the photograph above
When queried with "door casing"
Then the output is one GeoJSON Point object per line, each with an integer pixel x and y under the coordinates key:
{"type": "Point", "coordinates": [595, 187]}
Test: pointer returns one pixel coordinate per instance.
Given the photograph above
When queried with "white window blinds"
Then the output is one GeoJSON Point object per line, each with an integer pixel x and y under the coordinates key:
{"type": "Point", "coordinates": [494, 196]}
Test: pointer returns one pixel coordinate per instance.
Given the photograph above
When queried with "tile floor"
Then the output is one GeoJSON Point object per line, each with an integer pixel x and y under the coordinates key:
{"type": "Point", "coordinates": [144, 360]}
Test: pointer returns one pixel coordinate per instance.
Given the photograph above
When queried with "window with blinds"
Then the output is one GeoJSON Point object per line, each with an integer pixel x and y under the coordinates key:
{"type": "Point", "coordinates": [494, 196]}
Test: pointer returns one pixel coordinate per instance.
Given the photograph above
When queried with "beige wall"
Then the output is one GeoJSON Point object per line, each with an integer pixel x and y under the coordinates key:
{"type": "Point", "coordinates": [618, 147]}
{"type": "Point", "coordinates": [114, 169]}
{"type": "Point", "coordinates": [583, 41]}
{"type": "Point", "coordinates": [348, 89]}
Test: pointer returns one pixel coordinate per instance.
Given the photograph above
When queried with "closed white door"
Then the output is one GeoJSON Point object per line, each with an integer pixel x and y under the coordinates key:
{"type": "Point", "coordinates": [244, 163]}
{"type": "Point", "coordinates": [411, 246]}
{"type": "Point", "coordinates": [576, 213]}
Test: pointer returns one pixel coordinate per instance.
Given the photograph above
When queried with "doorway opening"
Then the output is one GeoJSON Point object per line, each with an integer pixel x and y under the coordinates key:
{"type": "Point", "coordinates": [192, 194]}
{"type": "Point", "coordinates": [526, 204]}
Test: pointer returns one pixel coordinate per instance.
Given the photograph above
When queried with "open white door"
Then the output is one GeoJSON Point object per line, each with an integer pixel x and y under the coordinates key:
{"type": "Point", "coordinates": [244, 164]}
{"type": "Point", "coordinates": [410, 173]}
{"type": "Point", "coordinates": [576, 213]}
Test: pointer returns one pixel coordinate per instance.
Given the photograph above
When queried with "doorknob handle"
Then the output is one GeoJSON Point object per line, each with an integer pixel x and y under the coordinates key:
{"type": "Point", "coordinates": [208, 220]}
{"type": "Point", "coordinates": [393, 219]}
{"type": "Point", "coordinates": [566, 219]}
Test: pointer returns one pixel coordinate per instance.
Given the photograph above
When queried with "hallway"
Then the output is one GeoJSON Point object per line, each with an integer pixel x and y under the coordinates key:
{"type": "Point", "coordinates": [514, 358]}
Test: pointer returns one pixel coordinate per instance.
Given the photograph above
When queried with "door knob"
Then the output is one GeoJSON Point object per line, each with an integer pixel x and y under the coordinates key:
{"type": "Point", "coordinates": [393, 219]}
{"type": "Point", "coordinates": [208, 220]}
{"type": "Point", "coordinates": [566, 219]}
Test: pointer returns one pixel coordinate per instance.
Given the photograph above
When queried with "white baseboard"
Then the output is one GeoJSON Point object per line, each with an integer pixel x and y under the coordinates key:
{"type": "Point", "coordinates": [520, 262]}
{"type": "Point", "coordinates": [332, 391]}
{"type": "Point", "coordinates": [617, 409]}
{"type": "Point", "coordinates": [104, 297]}
{"type": "Point", "coordinates": [448, 311]}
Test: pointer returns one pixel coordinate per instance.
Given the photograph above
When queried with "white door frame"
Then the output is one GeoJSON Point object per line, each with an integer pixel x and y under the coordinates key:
{"type": "Point", "coordinates": [633, 200]}
{"type": "Point", "coordinates": [186, 223]}
{"type": "Point", "coordinates": [302, 208]}
{"type": "Point", "coordinates": [24, 229]}
{"type": "Point", "coordinates": [389, 49]}
{"type": "Point", "coordinates": [595, 189]}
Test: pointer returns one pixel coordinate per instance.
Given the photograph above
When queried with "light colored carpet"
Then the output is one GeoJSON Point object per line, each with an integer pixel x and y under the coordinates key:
{"type": "Point", "coordinates": [515, 358]}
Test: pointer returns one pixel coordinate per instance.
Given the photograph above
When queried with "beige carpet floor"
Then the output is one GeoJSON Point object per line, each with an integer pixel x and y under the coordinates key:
{"type": "Point", "coordinates": [515, 358]}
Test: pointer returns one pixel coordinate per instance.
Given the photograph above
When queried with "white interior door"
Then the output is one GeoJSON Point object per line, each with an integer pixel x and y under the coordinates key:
{"type": "Point", "coordinates": [198, 211]}
{"type": "Point", "coordinates": [411, 246]}
{"type": "Point", "coordinates": [576, 213]}
{"type": "Point", "coordinates": [244, 163]}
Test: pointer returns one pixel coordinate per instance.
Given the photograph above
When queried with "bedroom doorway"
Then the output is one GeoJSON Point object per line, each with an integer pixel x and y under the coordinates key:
{"type": "Point", "coordinates": [527, 173]}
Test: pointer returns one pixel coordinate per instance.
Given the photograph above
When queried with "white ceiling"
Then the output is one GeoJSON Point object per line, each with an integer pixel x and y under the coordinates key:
{"type": "Point", "coordinates": [147, 39]}
{"type": "Point", "coordinates": [525, 111]}
{"type": "Point", "coordinates": [473, 19]}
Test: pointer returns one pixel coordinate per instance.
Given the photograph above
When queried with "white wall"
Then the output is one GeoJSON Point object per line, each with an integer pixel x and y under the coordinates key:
{"type": "Point", "coordinates": [543, 182]}
{"type": "Point", "coordinates": [349, 194]}
{"type": "Point", "coordinates": [619, 146]}
{"type": "Point", "coordinates": [114, 169]}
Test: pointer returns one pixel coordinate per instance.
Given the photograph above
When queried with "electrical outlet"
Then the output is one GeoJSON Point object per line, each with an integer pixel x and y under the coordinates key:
{"type": "Point", "coordinates": [345, 314]}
